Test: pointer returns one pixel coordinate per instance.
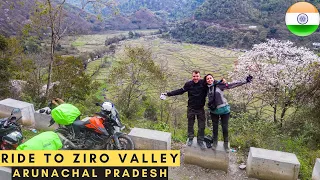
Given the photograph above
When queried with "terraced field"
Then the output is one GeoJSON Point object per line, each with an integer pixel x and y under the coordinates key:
{"type": "Point", "coordinates": [183, 57]}
{"type": "Point", "coordinates": [90, 43]}
{"type": "Point", "coordinates": [179, 59]}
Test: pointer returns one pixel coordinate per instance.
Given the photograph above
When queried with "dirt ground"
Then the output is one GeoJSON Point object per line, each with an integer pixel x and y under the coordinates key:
{"type": "Point", "coordinates": [187, 171]}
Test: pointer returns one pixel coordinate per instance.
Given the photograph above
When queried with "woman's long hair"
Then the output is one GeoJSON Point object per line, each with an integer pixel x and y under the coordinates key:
{"type": "Point", "coordinates": [205, 79]}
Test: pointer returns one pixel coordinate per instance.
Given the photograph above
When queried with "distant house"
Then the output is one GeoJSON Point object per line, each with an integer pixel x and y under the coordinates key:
{"type": "Point", "coordinates": [316, 45]}
{"type": "Point", "coordinates": [252, 27]}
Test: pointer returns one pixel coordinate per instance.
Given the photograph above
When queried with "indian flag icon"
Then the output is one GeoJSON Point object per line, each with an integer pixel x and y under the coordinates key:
{"type": "Point", "coordinates": [302, 19]}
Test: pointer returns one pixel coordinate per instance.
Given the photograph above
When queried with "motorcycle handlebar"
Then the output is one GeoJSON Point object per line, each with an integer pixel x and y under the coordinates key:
{"type": "Point", "coordinates": [51, 122]}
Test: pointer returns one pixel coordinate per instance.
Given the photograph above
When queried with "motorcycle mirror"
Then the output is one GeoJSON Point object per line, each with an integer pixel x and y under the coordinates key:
{"type": "Point", "coordinates": [16, 120]}
{"type": "Point", "coordinates": [15, 111]}
{"type": "Point", "coordinates": [97, 104]}
{"type": "Point", "coordinates": [13, 118]}
{"type": "Point", "coordinates": [51, 122]}
{"type": "Point", "coordinates": [48, 111]}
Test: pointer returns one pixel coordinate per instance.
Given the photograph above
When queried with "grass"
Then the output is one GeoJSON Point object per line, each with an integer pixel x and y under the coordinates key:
{"type": "Point", "coordinates": [181, 58]}
{"type": "Point", "coordinates": [78, 43]}
{"type": "Point", "coordinates": [92, 42]}
{"type": "Point", "coordinates": [28, 134]}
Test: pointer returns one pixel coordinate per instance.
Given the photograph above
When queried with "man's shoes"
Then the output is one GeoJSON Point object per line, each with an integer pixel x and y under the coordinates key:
{"type": "Point", "coordinates": [190, 142]}
{"type": "Point", "coordinates": [226, 147]}
{"type": "Point", "coordinates": [201, 144]}
{"type": "Point", "coordinates": [214, 145]}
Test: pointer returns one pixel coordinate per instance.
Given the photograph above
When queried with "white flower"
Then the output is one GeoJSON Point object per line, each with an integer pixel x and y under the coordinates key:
{"type": "Point", "coordinates": [277, 67]}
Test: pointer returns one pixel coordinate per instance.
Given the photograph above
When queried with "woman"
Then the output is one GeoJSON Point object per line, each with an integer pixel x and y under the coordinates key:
{"type": "Point", "coordinates": [219, 107]}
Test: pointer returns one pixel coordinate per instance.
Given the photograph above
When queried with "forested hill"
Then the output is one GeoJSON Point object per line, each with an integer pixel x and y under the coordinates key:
{"type": "Point", "coordinates": [15, 14]}
{"type": "Point", "coordinates": [240, 23]}
{"type": "Point", "coordinates": [166, 9]}
{"type": "Point", "coordinates": [258, 12]}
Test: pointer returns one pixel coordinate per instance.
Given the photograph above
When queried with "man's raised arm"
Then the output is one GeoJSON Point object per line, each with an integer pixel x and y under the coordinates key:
{"type": "Point", "coordinates": [180, 91]}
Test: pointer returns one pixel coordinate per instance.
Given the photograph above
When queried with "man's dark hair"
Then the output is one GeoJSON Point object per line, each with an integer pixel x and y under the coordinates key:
{"type": "Point", "coordinates": [196, 71]}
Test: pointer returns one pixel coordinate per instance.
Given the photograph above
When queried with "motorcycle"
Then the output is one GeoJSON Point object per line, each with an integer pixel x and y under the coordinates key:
{"type": "Point", "coordinates": [102, 131]}
{"type": "Point", "coordinates": [10, 131]}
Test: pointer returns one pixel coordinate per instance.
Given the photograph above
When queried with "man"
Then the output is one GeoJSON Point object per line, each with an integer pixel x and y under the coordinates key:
{"type": "Point", "coordinates": [197, 93]}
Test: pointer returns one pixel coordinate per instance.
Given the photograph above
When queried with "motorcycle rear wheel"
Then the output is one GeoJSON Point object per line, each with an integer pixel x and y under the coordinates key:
{"type": "Point", "coordinates": [67, 135]}
{"type": "Point", "coordinates": [125, 141]}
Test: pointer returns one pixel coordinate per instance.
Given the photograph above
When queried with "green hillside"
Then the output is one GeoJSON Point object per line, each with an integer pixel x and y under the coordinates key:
{"type": "Point", "coordinates": [240, 24]}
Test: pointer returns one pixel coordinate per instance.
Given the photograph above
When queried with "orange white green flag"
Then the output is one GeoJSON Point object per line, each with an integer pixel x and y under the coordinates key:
{"type": "Point", "coordinates": [302, 19]}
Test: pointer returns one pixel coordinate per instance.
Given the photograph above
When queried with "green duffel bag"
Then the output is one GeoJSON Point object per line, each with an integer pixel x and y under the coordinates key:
{"type": "Point", "coordinates": [65, 114]}
{"type": "Point", "coordinates": [44, 141]}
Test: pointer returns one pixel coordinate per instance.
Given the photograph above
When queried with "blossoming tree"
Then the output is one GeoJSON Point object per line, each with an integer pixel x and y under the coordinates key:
{"type": "Point", "coordinates": [281, 72]}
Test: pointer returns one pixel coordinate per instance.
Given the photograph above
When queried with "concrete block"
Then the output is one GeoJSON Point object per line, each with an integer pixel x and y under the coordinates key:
{"type": "Point", "coordinates": [207, 158]}
{"type": "Point", "coordinates": [268, 164]}
{"type": "Point", "coordinates": [27, 110]}
{"type": "Point", "coordinates": [146, 139]}
{"type": "Point", "coordinates": [316, 170]}
{"type": "Point", "coordinates": [5, 173]}
{"type": "Point", "coordinates": [42, 120]}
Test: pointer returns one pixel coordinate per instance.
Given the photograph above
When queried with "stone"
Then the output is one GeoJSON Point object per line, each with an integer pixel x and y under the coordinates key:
{"type": "Point", "coordinates": [27, 110]}
{"type": "Point", "coordinates": [42, 120]}
{"type": "Point", "coordinates": [146, 139]}
{"type": "Point", "coordinates": [5, 173]}
{"type": "Point", "coordinates": [269, 164]}
{"type": "Point", "coordinates": [213, 159]}
{"type": "Point", "coordinates": [316, 170]}
{"type": "Point", "coordinates": [242, 166]}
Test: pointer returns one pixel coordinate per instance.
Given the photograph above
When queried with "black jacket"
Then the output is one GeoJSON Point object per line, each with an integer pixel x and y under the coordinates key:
{"type": "Point", "coordinates": [197, 93]}
{"type": "Point", "coordinates": [218, 100]}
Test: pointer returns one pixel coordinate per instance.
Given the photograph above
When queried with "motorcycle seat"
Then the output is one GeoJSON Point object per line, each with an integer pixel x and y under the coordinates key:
{"type": "Point", "coordinates": [80, 124]}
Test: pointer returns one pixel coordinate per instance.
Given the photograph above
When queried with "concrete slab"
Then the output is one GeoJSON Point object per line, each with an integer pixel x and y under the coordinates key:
{"type": "Point", "coordinates": [42, 120]}
{"type": "Point", "coordinates": [27, 110]}
{"type": "Point", "coordinates": [5, 173]}
{"type": "Point", "coordinates": [207, 158]}
{"type": "Point", "coordinates": [268, 164]}
{"type": "Point", "coordinates": [316, 170]}
{"type": "Point", "coordinates": [146, 139]}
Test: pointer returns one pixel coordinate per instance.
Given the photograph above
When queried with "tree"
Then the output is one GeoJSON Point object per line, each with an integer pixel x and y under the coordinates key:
{"type": "Point", "coordinates": [12, 63]}
{"type": "Point", "coordinates": [281, 72]}
{"type": "Point", "coordinates": [74, 84]}
{"type": "Point", "coordinates": [3, 43]}
{"type": "Point", "coordinates": [5, 77]}
{"type": "Point", "coordinates": [51, 14]}
{"type": "Point", "coordinates": [131, 35]}
{"type": "Point", "coordinates": [132, 77]}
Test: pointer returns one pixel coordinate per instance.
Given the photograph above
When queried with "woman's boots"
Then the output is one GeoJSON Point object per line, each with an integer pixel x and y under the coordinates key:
{"type": "Point", "coordinates": [214, 145]}
{"type": "Point", "coordinates": [225, 146]}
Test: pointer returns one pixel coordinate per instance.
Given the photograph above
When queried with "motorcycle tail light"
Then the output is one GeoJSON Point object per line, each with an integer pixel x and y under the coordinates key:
{"type": "Point", "coordinates": [3, 146]}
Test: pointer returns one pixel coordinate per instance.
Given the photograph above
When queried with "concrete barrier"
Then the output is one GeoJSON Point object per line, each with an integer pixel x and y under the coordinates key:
{"type": "Point", "coordinates": [268, 164]}
{"type": "Point", "coordinates": [5, 173]}
{"type": "Point", "coordinates": [146, 139]}
{"type": "Point", "coordinates": [207, 158]}
{"type": "Point", "coordinates": [316, 170]}
{"type": "Point", "coordinates": [27, 110]}
{"type": "Point", "coordinates": [42, 120]}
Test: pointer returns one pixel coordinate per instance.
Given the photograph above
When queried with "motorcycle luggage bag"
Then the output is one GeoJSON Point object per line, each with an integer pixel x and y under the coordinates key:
{"type": "Point", "coordinates": [65, 114]}
{"type": "Point", "coordinates": [44, 141]}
